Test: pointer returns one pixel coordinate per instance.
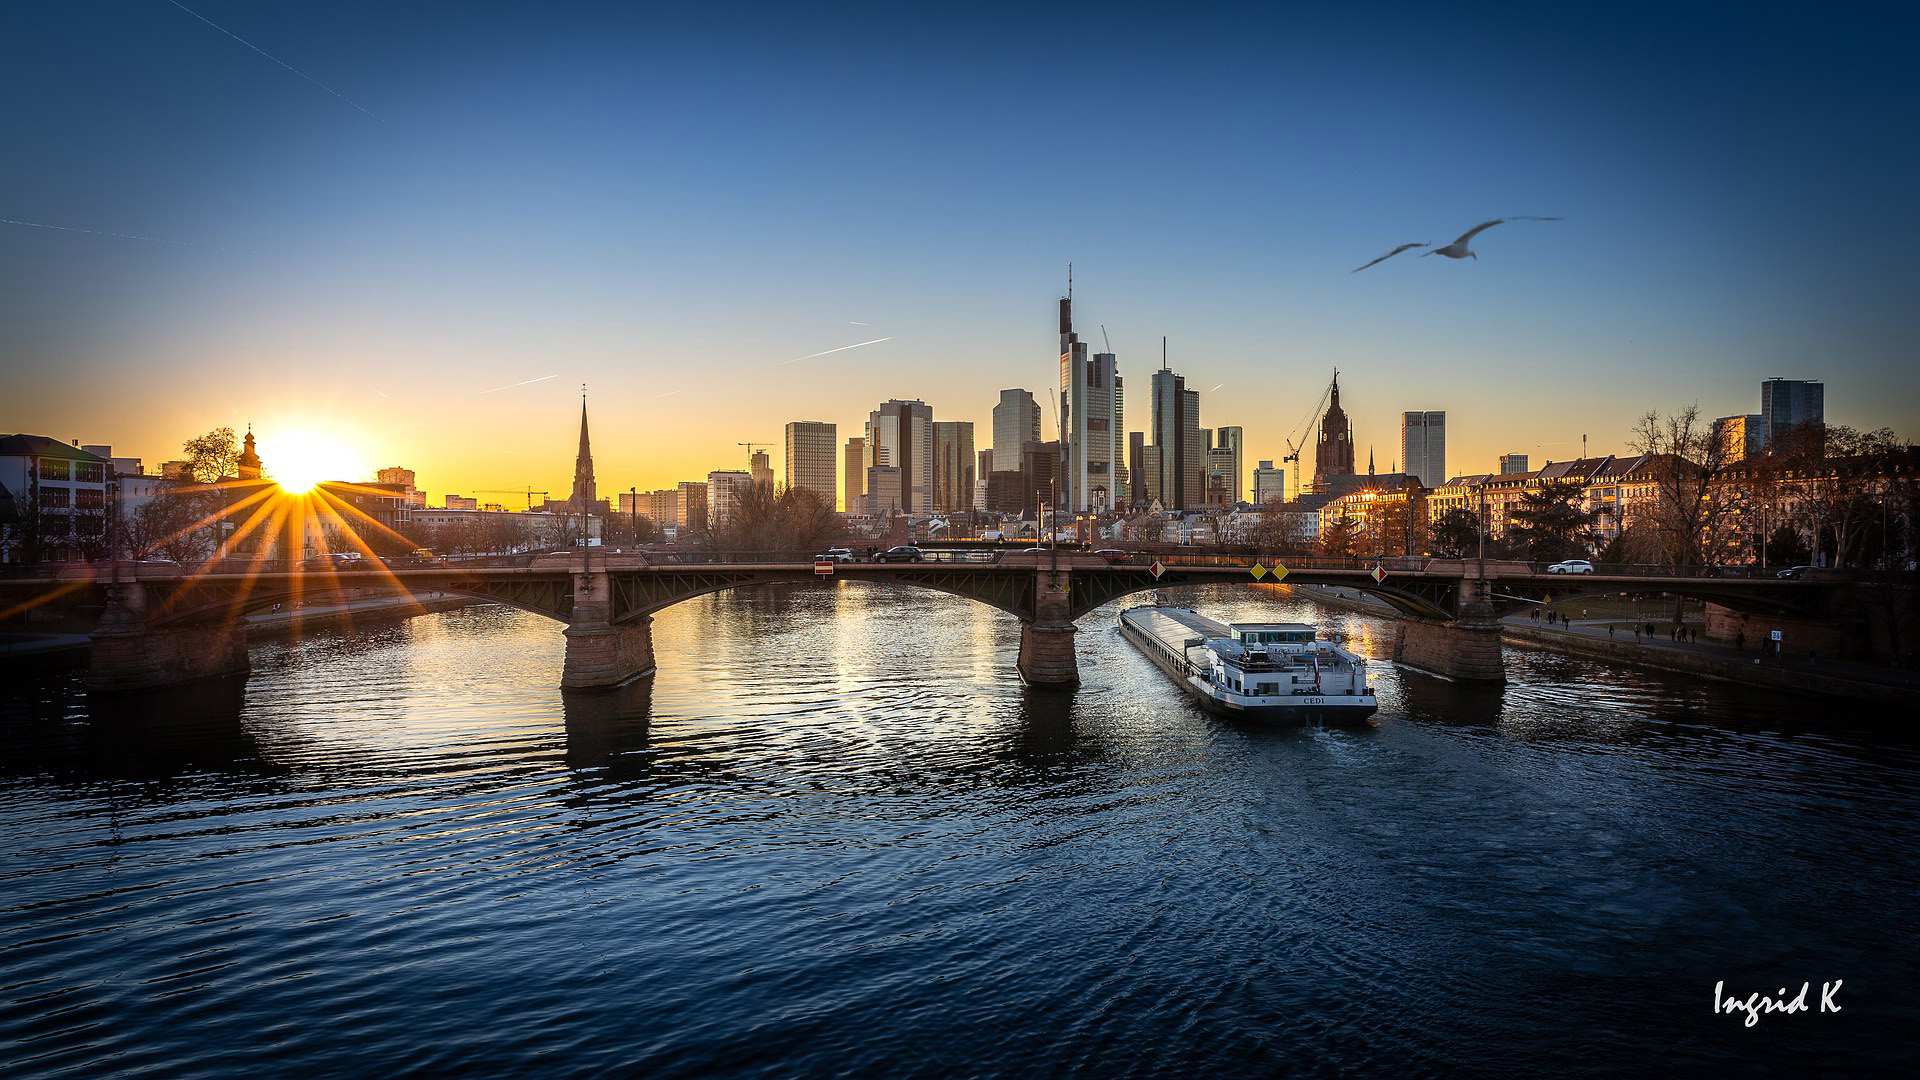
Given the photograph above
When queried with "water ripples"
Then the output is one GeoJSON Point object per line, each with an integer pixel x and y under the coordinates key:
{"type": "Point", "coordinates": [835, 835]}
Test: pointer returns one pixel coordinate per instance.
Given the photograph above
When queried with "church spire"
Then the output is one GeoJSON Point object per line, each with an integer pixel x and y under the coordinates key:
{"type": "Point", "coordinates": [583, 486]}
{"type": "Point", "coordinates": [248, 465]}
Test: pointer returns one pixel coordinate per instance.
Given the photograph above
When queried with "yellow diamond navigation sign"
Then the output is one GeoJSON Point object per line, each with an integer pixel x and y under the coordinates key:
{"type": "Point", "coordinates": [1257, 571]}
{"type": "Point", "coordinates": [1279, 572]}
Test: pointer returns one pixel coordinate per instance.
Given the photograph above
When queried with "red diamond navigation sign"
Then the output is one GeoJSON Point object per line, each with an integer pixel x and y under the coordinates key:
{"type": "Point", "coordinates": [1379, 573]}
{"type": "Point", "coordinates": [1156, 569]}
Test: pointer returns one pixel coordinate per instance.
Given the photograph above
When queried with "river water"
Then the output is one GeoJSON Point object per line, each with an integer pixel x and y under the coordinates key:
{"type": "Point", "coordinates": [836, 835]}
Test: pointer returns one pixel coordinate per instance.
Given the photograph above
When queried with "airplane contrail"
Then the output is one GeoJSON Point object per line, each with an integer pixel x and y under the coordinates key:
{"type": "Point", "coordinates": [657, 397]}
{"type": "Point", "coordinates": [1216, 386]}
{"type": "Point", "coordinates": [851, 322]}
{"type": "Point", "coordinates": [270, 56]}
{"type": "Point", "coordinates": [523, 382]}
{"type": "Point", "coordinates": [842, 348]}
{"type": "Point", "coordinates": [95, 232]}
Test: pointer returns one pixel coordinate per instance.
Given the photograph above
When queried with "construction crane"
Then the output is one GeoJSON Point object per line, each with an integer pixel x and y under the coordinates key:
{"type": "Point", "coordinates": [1293, 449]}
{"type": "Point", "coordinates": [530, 493]}
{"type": "Point", "coordinates": [751, 445]}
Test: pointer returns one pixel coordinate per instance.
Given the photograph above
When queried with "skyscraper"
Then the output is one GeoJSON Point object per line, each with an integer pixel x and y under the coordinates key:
{"type": "Point", "coordinates": [953, 465]}
{"type": "Point", "coordinates": [1088, 439]}
{"type": "Point", "coordinates": [1137, 468]}
{"type": "Point", "coordinates": [1269, 484]}
{"type": "Point", "coordinates": [724, 488]}
{"type": "Point", "coordinates": [1740, 436]}
{"type": "Point", "coordinates": [1016, 422]}
{"type": "Point", "coordinates": [1177, 438]}
{"type": "Point", "coordinates": [856, 484]}
{"type": "Point", "coordinates": [1512, 463]}
{"type": "Point", "coordinates": [900, 436]}
{"type": "Point", "coordinates": [1788, 403]}
{"type": "Point", "coordinates": [1333, 455]}
{"type": "Point", "coordinates": [811, 446]}
{"type": "Point", "coordinates": [1232, 440]}
{"type": "Point", "coordinates": [1423, 447]}
{"type": "Point", "coordinates": [760, 467]}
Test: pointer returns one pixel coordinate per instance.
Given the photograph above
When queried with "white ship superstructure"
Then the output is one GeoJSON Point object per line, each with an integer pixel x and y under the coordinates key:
{"type": "Point", "coordinates": [1269, 671]}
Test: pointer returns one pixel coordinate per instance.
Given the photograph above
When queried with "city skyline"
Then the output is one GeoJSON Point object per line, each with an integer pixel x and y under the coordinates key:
{"type": "Point", "coordinates": [445, 244]}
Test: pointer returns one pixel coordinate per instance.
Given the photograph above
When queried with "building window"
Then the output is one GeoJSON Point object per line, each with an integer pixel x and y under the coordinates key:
{"type": "Point", "coordinates": [53, 469]}
{"type": "Point", "coordinates": [89, 472]}
{"type": "Point", "coordinates": [54, 498]}
{"type": "Point", "coordinates": [89, 499]}
{"type": "Point", "coordinates": [87, 525]}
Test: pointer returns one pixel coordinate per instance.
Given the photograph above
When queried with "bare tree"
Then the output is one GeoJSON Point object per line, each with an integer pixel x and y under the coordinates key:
{"type": "Point", "coordinates": [1690, 516]}
{"type": "Point", "coordinates": [213, 456]}
{"type": "Point", "coordinates": [170, 525]}
{"type": "Point", "coordinates": [1841, 489]}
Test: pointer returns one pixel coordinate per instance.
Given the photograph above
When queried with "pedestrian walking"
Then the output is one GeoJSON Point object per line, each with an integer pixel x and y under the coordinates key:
{"type": "Point", "coordinates": [1740, 640]}
{"type": "Point", "coordinates": [1636, 631]}
{"type": "Point", "coordinates": [1609, 629]}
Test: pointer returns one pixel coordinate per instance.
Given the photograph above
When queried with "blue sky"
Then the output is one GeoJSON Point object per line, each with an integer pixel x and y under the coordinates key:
{"type": "Point", "coordinates": [667, 204]}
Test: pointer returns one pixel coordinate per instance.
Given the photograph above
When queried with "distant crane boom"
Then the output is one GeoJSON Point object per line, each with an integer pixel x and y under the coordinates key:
{"type": "Point", "coordinates": [1293, 449]}
{"type": "Point", "coordinates": [529, 492]}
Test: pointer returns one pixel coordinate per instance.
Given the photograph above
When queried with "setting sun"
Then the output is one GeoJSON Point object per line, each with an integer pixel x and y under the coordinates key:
{"type": "Point", "coordinates": [299, 460]}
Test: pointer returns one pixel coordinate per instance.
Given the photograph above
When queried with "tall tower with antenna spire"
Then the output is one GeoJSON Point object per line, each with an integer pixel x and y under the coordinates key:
{"type": "Point", "coordinates": [1090, 447]}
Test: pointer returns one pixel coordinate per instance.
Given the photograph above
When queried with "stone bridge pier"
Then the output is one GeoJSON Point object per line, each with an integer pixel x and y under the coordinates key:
{"type": "Point", "coordinates": [1047, 640]}
{"type": "Point", "coordinates": [603, 654]}
{"type": "Point", "coordinates": [130, 654]}
{"type": "Point", "coordinates": [1466, 648]}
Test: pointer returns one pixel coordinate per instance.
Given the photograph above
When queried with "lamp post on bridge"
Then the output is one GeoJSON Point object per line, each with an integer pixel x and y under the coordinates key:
{"type": "Point", "coordinates": [1481, 490]}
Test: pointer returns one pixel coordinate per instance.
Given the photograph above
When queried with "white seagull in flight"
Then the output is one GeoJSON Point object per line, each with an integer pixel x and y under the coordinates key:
{"type": "Point", "coordinates": [1390, 255]}
{"type": "Point", "coordinates": [1458, 249]}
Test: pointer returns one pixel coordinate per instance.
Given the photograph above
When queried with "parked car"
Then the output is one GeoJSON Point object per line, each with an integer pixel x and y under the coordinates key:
{"type": "Point", "coordinates": [835, 555]}
{"type": "Point", "coordinates": [903, 553]}
{"type": "Point", "coordinates": [1794, 572]}
{"type": "Point", "coordinates": [1571, 566]}
{"type": "Point", "coordinates": [1114, 556]}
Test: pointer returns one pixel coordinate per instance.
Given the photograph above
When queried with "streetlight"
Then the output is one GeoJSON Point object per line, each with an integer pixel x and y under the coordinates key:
{"type": "Point", "coordinates": [633, 509]}
{"type": "Point", "coordinates": [1481, 489]}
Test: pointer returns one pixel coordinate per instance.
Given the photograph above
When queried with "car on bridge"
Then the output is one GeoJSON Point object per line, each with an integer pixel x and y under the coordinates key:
{"type": "Point", "coordinates": [1571, 566]}
{"type": "Point", "coordinates": [835, 555]}
{"type": "Point", "coordinates": [1794, 573]}
{"type": "Point", "coordinates": [1114, 556]}
{"type": "Point", "coordinates": [338, 561]}
{"type": "Point", "coordinates": [902, 553]}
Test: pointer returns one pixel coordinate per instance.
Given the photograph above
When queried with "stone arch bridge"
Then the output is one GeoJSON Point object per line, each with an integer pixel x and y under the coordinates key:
{"type": "Point", "coordinates": [159, 626]}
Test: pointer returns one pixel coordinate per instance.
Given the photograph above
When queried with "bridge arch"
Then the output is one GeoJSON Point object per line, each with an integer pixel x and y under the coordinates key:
{"type": "Point", "coordinates": [198, 603]}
